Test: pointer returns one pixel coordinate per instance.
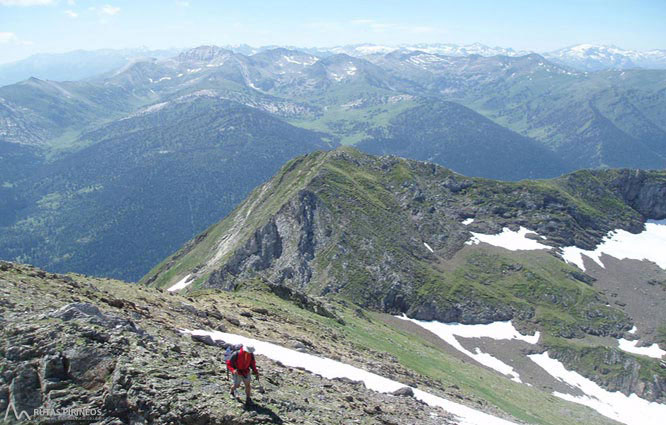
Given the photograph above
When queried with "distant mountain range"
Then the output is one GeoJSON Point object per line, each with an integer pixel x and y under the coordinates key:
{"type": "Point", "coordinates": [591, 57]}
{"type": "Point", "coordinates": [74, 65]}
{"type": "Point", "coordinates": [82, 64]}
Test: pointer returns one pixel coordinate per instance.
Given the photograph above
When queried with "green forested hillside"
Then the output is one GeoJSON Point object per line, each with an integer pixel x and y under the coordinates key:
{"type": "Point", "coordinates": [458, 138]}
{"type": "Point", "coordinates": [146, 185]}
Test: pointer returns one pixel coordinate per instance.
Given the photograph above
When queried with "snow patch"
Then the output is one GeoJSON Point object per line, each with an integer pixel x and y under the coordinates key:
{"type": "Point", "coordinates": [508, 239]}
{"type": "Point", "coordinates": [467, 221]}
{"type": "Point", "coordinates": [181, 284]}
{"type": "Point", "coordinates": [631, 410]}
{"type": "Point", "coordinates": [633, 330]}
{"type": "Point", "coordinates": [307, 62]}
{"type": "Point", "coordinates": [428, 246]}
{"type": "Point", "coordinates": [631, 347]}
{"type": "Point", "coordinates": [330, 369]}
{"type": "Point", "coordinates": [497, 330]}
{"type": "Point", "coordinates": [647, 245]}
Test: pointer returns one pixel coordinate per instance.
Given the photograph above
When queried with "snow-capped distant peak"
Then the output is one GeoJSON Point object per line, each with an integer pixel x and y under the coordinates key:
{"type": "Point", "coordinates": [594, 57]}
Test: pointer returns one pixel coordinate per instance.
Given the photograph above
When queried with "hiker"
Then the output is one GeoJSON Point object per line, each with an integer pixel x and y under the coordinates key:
{"type": "Point", "coordinates": [239, 364]}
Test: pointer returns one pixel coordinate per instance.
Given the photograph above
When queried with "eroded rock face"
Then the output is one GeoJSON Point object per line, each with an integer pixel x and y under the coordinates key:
{"type": "Point", "coordinates": [614, 370]}
{"type": "Point", "coordinates": [643, 192]}
{"type": "Point", "coordinates": [286, 244]}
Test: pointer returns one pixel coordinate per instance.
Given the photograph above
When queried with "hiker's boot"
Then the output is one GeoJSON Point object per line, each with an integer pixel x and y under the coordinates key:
{"type": "Point", "coordinates": [248, 402]}
{"type": "Point", "coordinates": [232, 393]}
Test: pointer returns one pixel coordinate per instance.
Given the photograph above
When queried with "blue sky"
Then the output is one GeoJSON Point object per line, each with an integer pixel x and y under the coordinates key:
{"type": "Point", "coordinates": [33, 26]}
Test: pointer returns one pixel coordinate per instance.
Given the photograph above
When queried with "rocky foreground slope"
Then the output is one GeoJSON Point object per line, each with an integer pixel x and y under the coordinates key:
{"type": "Point", "coordinates": [113, 352]}
{"type": "Point", "coordinates": [77, 342]}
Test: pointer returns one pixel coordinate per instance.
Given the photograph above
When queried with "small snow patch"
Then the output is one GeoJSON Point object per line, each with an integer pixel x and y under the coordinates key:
{"type": "Point", "coordinates": [181, 284]}
{"type": "Point", "coordinates": [497, 330]}
{"type": "Point", "coordinates": [631, 347]}
{"type": "Point", "coordinates": [428, 246]}
{"type": "Point", "coordinates": [508, 239]}
{"type": "Point", "coordinates": [467, 221]}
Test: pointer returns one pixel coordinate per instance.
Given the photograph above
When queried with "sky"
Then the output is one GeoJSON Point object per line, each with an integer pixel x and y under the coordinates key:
{"type": "Point", "coordinates": [53, 26]}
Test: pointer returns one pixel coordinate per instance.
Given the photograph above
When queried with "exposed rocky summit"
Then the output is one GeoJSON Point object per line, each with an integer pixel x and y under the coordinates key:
{"type": "Point", "coordinates": [347, 223]}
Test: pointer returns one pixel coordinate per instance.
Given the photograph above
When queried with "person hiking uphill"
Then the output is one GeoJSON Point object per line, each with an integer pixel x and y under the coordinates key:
{"type": "Point", "coordinates": [239, 364]}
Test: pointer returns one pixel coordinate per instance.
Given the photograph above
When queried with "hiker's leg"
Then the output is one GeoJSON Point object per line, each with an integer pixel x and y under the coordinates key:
{"type": "Point", "coordinates": [248, 388]}
{"type": "Point", "coordinates": [235, 382]}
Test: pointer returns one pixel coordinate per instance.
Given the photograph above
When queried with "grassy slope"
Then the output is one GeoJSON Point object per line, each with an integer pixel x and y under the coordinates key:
{"type": "Point", "coordinates": [416, 354]}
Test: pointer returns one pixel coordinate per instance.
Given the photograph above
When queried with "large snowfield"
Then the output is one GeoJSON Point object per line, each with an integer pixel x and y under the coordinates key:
{"type": "Point", "coordinates": [648, 245]}
{"type": "Point", "coordinates": [630, 410]}
{"type": "Point", "coordinates": [330, 369]}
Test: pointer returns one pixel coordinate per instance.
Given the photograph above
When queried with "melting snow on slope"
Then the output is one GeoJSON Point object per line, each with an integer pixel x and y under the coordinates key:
{"type": "Point", "coordinates": [514, 241]}
{"type": "Point", "coordinates": [309, 61]}
{"type": "Point", "coordinates": [428, 246]}
{"type": "Point", "coordinates": [647, 245]}
{"type": "Point", "coordinates": [467, 221]}
{"type": "Point", "coordinates": [181, 284]}
{"type": "Point", "coordinates": [333, 369]}
{"type": "Point", "coordinates": [631, 347]}
{"type": "Point", "coordinates": [631, 410]}
{"type": "Point", "coordinates": [496, 330]}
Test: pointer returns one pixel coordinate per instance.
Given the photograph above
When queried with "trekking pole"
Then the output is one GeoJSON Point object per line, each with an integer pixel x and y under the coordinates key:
{"type": "Point", "coordinates": [261, 387]}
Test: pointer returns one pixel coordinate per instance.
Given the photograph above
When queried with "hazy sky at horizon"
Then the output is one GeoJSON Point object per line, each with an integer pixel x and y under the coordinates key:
{"type": "Point", "coordinates": [51, 26]}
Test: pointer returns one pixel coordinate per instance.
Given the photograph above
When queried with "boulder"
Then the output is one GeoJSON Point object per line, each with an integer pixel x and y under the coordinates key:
{"type": "Point", "coordinates": [88, 366]}
{"type": "Point", "coordinates": [90, 313]}
{"type": "Point", "coordinates": [52, 367]}
{"type": "Point", "coordinates": [404, 392]}
{"type": "Point", "coordinates": [208, 340]}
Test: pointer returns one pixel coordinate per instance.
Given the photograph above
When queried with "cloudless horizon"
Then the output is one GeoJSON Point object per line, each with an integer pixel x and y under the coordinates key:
{"type": "Point", "coordinates": [28, 27]}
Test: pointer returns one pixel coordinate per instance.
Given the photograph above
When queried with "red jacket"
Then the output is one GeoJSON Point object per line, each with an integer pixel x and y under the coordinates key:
{"type": "Point", "coordinates": [242, 361]}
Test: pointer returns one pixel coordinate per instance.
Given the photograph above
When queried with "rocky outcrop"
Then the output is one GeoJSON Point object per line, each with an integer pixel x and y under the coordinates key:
{"type": "Point", "coordinates": [644, 191]}
{"type": "Point", "coordinates": [616, 370]}
{"type": "Point", "coordinates": [286, 245]}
